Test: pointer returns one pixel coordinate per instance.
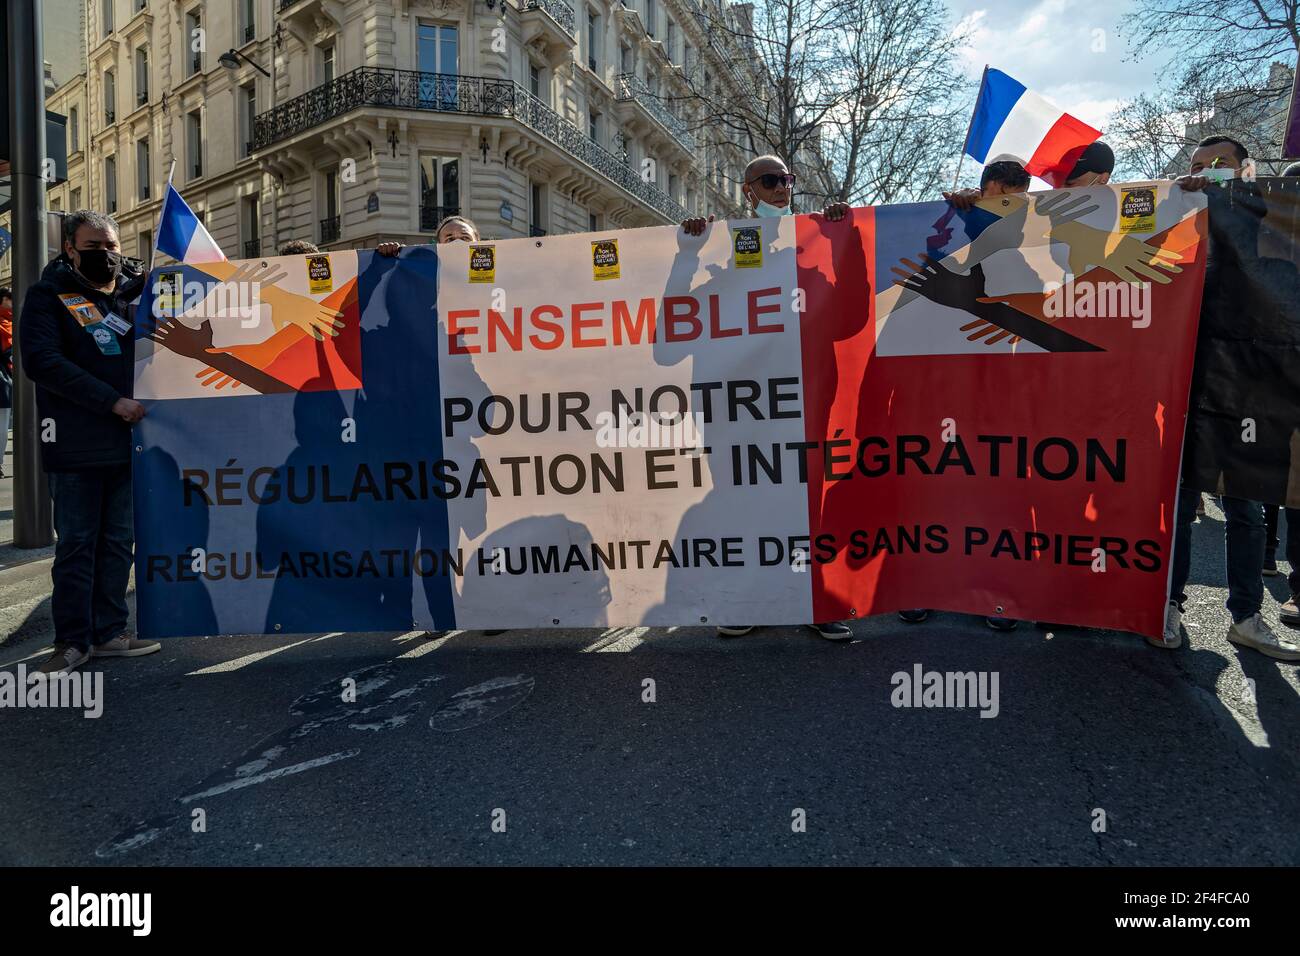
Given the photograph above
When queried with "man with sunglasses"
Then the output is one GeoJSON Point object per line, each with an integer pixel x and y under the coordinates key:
{"type": "Point", "coordinates": [768, 187]}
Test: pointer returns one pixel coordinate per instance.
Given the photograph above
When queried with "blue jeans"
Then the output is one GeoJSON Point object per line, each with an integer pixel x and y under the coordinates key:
{"type": "Point", "coordinates": [92, 559]}
{"type": "Point", "coordinates": [1245, 553]}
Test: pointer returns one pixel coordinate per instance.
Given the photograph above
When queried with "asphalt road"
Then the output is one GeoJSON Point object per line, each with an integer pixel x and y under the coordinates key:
{"type": "Point", "coordinates": [548, 733]}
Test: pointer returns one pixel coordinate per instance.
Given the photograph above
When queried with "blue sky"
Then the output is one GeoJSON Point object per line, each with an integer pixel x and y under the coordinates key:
{"type": "Point", "coordinates": [1048, 46]}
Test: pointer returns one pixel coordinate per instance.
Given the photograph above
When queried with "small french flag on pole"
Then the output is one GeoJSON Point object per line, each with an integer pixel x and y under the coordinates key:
{"type": "Point", "coordinates": [181, 235]}
{"type": "Point", "coordinates": [1013, 123]}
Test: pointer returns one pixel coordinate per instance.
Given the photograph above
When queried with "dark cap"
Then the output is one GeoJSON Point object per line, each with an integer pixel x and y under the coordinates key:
{"type": "Point", "coordinates": [1097, 157]}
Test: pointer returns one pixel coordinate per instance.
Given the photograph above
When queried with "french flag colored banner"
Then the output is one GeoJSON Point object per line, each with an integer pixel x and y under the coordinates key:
{"type": "Point", "coordinates": [1014, 123]}
{"type": "Point", "coordinates": [181, 235]}
{"type": "Point", "coordinates": [781, 421]}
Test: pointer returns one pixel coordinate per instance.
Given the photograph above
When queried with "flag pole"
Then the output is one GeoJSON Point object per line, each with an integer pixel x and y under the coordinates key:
{"type": "Point", "coordinates": [153, 252]}
{"type": "Point", "coordinates": [966, 143]}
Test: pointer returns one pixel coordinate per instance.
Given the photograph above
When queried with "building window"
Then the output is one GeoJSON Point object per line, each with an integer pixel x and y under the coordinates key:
{"type": "Point", "coordinates": [249, 96]}
{"type": "Point", "coordinates": [534, 81]}
{"type": "Point", "coordinates": [56, 205]}
{"type": "Point", "coordinates": [670, 39]}
{"type": "Point", "coordinates": [536, 210]}
{"type": "Point", "coordinates": [625, 59]}
{"type": "Point", "coordinates": [438, 53]}
{"type": "Point", "coordinates": [439, 190]}
{"type": "Point", "coordinates": [74, 130]}
{"type": "Point", "coordinates": [144, 246]}
{"type": "Point", "coordinates": [194, 143]}
{"type": "Point", "coordinates": [330, 226]}
{"type": "Point", "coordinates": [193, 41]}
{"type": "Point", "coordinates": [327, 63]}
{"type": "Point", "coordinates": [252, 227]}
{"type": "Point", "coordinates": [672, 186]}
{"type": "Point", "coordinates": [651, 17]}
{"type": "Point", "coordinates": [141, 76]}
{"type": "Point", "coordinates": [110, 183]}
{"type": "Point", "coordinates": [248, 19]}
{"type": "Point", "coordinates": [142, 168]}
{"type": "Point", "coordinates": [74, 199]}
{"type": "Point", "coordinates": [110, 98]}
{"type": "Point", "coordinates": [106, 14]}
{"type": "Point", "coordinates": [593, 126]}
{"type": "Point", "coordinates": [593, 222]}
{"type": "Point", "coordinates": [593, 42]}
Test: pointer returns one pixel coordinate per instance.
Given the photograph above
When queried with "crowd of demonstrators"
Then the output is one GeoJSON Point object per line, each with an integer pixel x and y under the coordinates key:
{"type": "Point", "coordinates": [768, 188]}
{"type": "Point", "coordinates": [6, 369]}
{"type": "Point", "coordinates": [79, 350]}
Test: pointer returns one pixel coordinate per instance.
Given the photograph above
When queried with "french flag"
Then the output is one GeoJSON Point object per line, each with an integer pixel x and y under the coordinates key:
{"type": "Point", "coordinates": [1011, 122]}
{"type": "Point", "coordinates": [181, 235]}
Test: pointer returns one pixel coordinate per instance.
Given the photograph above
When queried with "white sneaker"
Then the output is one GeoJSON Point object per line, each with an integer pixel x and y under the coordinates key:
{"type": "Point", "coordinates": [1173, 635]}
{"type": "Point", "coordinates": [1254, 632]}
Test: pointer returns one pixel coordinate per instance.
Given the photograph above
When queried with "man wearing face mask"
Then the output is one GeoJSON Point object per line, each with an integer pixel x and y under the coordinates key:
{"type": "Point", "coordinates": [79, 350]}
{"type": "Point", "coordinates": [768, 186]}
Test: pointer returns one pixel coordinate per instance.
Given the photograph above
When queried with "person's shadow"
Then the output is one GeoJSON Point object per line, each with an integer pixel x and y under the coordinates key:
{"type": "Point", "coordinates": [164, 496]}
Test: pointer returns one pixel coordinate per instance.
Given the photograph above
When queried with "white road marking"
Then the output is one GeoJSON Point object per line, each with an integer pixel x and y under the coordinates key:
{"type": "Point", "coordinates": [41, 653]}
{"type": "Point", "coordinates": [242, 782]}
{"type": "Point", "coordinates": [239, 662]}
{"type": "Point", "coordinates": [628, 642]}
{"type": "Point", "coordinates": [606, 638]}
{"type": "Point", "coordinates": [425, 648]}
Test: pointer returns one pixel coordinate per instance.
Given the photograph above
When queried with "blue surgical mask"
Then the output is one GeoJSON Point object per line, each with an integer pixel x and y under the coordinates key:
{"type": "Point", "coordinates": [762, 208]}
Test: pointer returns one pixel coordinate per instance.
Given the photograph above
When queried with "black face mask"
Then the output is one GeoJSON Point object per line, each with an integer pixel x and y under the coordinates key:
{"type": "Point", "coordinates": [100, 266]}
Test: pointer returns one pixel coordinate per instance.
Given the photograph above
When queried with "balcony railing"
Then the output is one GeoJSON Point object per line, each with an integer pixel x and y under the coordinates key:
{"type": "Point", "coordinates": [452, 93]}
{"type": "Point", "coordinates": [559, 11]}
{"type": "Point", "coordinates": [632, 87]}
{"type": "Point", "coordinates": [329, 229]}
{"type": "Point", "coordinates": [252, 248]}
{"type": "Point", "coordinates": [430, 216]}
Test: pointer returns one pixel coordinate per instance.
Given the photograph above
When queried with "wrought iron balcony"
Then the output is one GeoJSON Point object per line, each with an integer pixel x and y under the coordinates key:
{"type": "Point", "coordinates": [558, 10]}
{"type": "Point", "coordinates": [375, 87]}
{"type": "Point", "coordinates": [430, 216]}
{"type": "Point", "coordinates": [329, 230]}
{"type": "Point", "coordinates": [632, 88]}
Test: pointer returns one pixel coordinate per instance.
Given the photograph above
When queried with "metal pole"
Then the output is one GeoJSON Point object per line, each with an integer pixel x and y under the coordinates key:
{"type": "Point", "coordinates": [966, 142]}
{"type": "Point", "coordinates": [33, 518]}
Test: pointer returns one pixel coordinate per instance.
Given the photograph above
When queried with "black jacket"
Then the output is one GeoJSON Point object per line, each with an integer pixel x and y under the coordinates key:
{"type": "Point", "coordinates": [77, 384]}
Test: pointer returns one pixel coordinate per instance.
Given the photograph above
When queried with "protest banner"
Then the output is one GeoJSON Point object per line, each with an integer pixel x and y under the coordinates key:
{"type": "Point", "coordinates": [783, 420]}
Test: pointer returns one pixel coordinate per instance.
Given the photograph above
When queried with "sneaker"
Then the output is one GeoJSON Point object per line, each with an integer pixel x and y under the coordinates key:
{"type": "Point", "coordinates": [1173, 633]}
{"type": "Point", "coordinates": [1270, 565]}
{"type": "Point", "coordinates": [1000, 623]}
{"type": "Point", "coordinates": [66, 657]}
{"type": "Point", "coordinates": [1289, 611]}
{"type": "Point", "coordinates": [914, 616]}
{"type": "Point", "coordinates": [833, 631]}
{"type": "Point", "coordinates": [1254, 632]}
{"type": "Point", "coordinates": [734, 630]}
{"type": "Point", "coordinates": [125, 645]}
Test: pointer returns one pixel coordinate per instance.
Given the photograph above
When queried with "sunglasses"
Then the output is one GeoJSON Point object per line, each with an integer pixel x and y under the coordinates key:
{"type": "Point", "coordinates": [772, 180]}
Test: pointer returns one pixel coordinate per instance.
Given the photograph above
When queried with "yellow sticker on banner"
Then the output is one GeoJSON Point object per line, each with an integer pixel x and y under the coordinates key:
{"type": "Point", "coordinates": [168, 292]}
{"type": "Point", "coordinates": [1137, 210]}
{"type": "Point", "coordinates": [604, 259]}
{"type": "Point", "coordinates": [82, 309]}
{"type": "Point", "coordinates": [319, 277]}
{"type": "Point", "coordinates": [747, 243]}
{"type": "Point", "coordinates": [482, 263]}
